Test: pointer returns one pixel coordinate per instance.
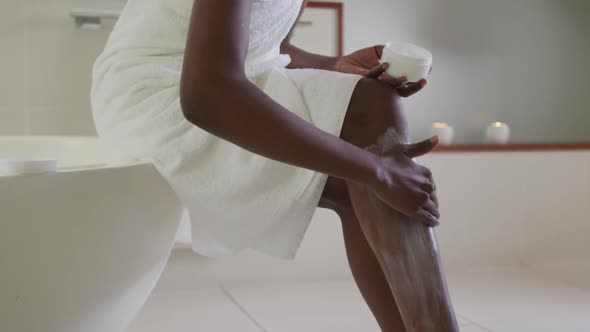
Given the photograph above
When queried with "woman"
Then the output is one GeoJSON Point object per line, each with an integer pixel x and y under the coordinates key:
{"type": "Point", "coordinates": [253, 134]}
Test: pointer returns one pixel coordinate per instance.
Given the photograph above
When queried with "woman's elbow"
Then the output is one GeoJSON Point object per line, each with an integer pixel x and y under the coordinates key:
{"type": "Point", "coordinates": [203, 88]}
{"type": "Point", "coordinates": [201, 100]}
{"type": "Point", "coordinates": [194, 101]}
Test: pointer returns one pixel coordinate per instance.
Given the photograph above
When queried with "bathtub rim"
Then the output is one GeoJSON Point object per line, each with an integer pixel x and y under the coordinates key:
{"type": "Point", "coordinates": [110, 165]}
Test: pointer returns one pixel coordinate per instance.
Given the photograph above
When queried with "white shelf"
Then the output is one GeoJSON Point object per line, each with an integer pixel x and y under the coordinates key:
{"type": "Point", "coordinates": [95, 13]}
{"type": "Point", "coordinates": [91, 19]}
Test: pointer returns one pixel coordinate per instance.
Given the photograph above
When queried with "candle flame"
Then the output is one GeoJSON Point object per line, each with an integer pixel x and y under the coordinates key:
{"type": "Point", "coordinates": [440, 125]}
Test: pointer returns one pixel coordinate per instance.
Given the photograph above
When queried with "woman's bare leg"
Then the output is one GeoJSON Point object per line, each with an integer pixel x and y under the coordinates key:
{"type": "Point", "coordinates": [408, 254]}
{"type": "Point", "coordinates": [406, 249]}
{"type": "Point", "coordinates": [364, 265]}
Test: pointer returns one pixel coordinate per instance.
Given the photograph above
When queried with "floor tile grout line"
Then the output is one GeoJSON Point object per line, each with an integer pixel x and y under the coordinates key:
{"type": "Point", "coordinates": [227, 293]}
{"type": "Point", "coordinates": [473, 323]}
{"type": "Point", "coordinates": [558, 279]}
{"type": "Point", "coordinates": [468, 320]}
{"type": "Point", "coordinates": [482, 327]}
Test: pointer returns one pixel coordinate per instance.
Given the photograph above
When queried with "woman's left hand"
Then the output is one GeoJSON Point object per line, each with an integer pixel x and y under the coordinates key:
{"type": "Point", "coordinates": [366, 62]}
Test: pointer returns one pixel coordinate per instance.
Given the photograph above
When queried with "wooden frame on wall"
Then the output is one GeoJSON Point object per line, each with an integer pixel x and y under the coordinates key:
{"type": "Point", "coordinates": [339, 8]}
{"type": "Point", "coordinates": [337, 33]}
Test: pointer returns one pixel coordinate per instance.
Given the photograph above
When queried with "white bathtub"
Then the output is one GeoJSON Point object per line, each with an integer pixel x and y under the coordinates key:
{"type": "Point", "coordinates": [80, 249]}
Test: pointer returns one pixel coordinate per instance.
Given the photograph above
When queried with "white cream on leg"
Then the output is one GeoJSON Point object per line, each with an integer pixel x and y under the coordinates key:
{"type": "Point", "coordinates": [409, 254]}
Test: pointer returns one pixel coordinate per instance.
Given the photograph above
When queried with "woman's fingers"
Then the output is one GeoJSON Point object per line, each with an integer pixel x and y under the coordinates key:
{"type": "Point", "coordinates": [400, 84]}
{"type": "Point", "coordinates": [412, 88]}
{"type": "Point", "coordinates": [421, 148]}
{"type": "Point", "coordinates": [377, 71]}
{"type": "Point", "coordinates": [428, 187]}
{"type": "Point", "coordinates": [427, 217]}
{"type": "Point", "coordinates": [379, 50]}
{"type": "Point", "coordinates": [433, 196]}
{"type": "Point", "coordinates": [431, 208]}
{"type": "Point", "coordinates": [395, 83]}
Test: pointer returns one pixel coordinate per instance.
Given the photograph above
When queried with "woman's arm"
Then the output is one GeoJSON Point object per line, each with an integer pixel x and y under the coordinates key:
{"type": "Point", "coordinates": [304, 59]}
{"type": "Point", "coordinates": [217, 97]}
{"type": "Point", "coordinates": [364, 62]}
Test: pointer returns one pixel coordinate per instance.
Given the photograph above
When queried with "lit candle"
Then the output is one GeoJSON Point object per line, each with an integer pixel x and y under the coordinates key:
{"type": "Point", "coordinates": [444, 132]}
{"type": "Point", "coordinates": [498, 133]}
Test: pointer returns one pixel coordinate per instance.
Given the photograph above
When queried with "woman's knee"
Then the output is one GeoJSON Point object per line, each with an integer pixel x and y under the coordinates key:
{"type": "Point", "coordinates": [374, 107]}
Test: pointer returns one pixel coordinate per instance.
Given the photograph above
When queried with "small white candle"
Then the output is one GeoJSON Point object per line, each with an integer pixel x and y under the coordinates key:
{"type": "Point", "coordinates": [444, 132]}
{"type": "Point", "coordinates": [498, 133]}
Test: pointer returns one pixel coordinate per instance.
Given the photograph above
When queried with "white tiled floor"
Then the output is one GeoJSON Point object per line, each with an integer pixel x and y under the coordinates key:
{"type": "Point", "coordinates": [497, 300]}
{"type": "Point", "coordinates": [520, 300]}
{"type": "Point", "coordinates": [319, 306]}
{"type": "Point", "coordinates": [207, 309]}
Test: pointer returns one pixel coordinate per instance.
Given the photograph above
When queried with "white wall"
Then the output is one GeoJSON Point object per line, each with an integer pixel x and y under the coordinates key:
{"type": "Point", "coordinates": [45, 68]}
{"type": "Point", "coordinates": [498, 209]}
{"type": "Point", "coordinates": [520, 61]}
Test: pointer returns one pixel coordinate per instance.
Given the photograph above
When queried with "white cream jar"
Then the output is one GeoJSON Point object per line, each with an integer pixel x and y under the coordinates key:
{"type": "Point", "coordinates": [407, 60]}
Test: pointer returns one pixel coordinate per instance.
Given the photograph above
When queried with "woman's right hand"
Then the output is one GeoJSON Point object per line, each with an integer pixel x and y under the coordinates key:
{"type": "Point", "coordinates": [406, 186]}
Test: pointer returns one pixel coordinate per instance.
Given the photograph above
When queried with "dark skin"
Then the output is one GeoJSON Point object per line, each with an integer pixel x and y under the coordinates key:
{"type": "Point", "coordinates": [363, 62]}
{"type": "Point", "coordinates": [386, 202]}
{"type": "Point", "coordinates": [218, 35]}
